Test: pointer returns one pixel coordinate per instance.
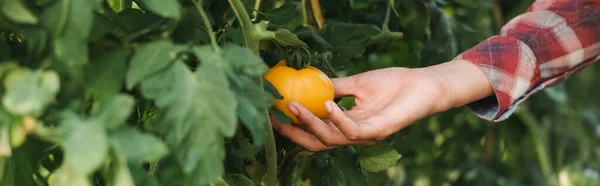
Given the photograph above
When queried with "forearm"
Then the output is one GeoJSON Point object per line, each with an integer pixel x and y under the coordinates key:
{"type": "Point", "coordinates": [461, 83]}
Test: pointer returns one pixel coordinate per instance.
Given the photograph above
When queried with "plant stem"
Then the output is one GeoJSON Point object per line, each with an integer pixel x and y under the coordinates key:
{"type": "Point", "coordinates": [253, 34]}
{"type": "Point", "coordinates": [247, 25]}
{"type": "Point", "coordinates": [316, 9]}
{"type": "Point", "coordinates": [386, 21]}
{"type": "Point", "coordinates": [385, 29]}
{"type": "Point", "coordinates": [256, 9]}
{"type": "Point", "coordinates": [536, 133]}
{"type": "Point", "coordinates": [209, 28]}
{"type": "Point", "coordinates": [384, 36]}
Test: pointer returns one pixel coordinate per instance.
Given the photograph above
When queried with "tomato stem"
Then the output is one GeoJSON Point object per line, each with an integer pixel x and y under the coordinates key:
{"type": "Point", "coordinates": [256, 9]}
{"type": "Point", "coordinates": [253, 34]}
{"type": "Point", "coordinates": [385, 29]}
{"type": "Point", "coordinates": [211, 34]}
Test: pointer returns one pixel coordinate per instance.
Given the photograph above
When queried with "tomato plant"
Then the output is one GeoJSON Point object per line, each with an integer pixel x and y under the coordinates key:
{"type": "Point", "coordinates": [172, 92]}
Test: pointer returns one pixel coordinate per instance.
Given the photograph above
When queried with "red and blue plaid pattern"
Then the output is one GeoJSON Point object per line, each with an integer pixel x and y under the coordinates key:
{"type": "Point", "coordinates": [551, 41]}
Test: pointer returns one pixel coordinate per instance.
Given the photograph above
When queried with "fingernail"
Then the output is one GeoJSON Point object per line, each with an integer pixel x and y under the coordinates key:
{"type": "Point", "coordinates": [293, 108]}
{"type": "Point", "coordinates": [329, 106]}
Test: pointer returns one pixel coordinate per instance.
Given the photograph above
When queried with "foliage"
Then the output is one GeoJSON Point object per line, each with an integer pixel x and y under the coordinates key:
{"type": "Point", "coordinates": [169, 92]}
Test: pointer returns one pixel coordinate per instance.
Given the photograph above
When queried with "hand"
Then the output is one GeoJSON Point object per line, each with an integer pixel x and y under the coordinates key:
{"type": "Point", "coordinates": [386, 100]}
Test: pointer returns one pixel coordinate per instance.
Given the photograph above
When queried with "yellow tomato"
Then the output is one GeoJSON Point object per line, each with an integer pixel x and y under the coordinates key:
{"type": "Point", "coordinates": [308, 86]}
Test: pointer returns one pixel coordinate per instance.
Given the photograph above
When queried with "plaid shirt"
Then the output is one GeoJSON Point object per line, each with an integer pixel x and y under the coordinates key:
{"type": "Point", "coordinates": [551, 41]}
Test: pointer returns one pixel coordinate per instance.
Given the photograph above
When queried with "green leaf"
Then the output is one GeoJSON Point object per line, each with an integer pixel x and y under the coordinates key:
{"type": "Point", "coordinates": [241, 66]}
{"type": "Point", "coordinates": [238, 180]}
{"type": "Point", "coordinates": [36, 42]}
{"type": "Point", "coordinates": [280, 116]}
{"type": "Point", "coordinates": [286, 38]}
{"type": "Point", "coordinates": [138, 147]}
{"type": "Point", "coordinates": [213, 82]}
{"type": "Point", "coordinates": [105, 75]}
{"type": "Point", "coordinates": [29, 92]}
{"type": "Point", "coordinates": [268, 86]}
{"type": "Point", "coordinates": [342, 169]}
{"type": "Point", "coordinates": [282, 14]}
{"type": "Point", "coordinates": [347, 39]}
{"type": "Point", "coordinates": [114, 111]}
{"type": "Point", "coordinates": [378, 157]}
{"type": "Point", "coordinates": [119, 174]}
{"type": "Point", "coordinates": [198, 110]}
{"type": "Point", "coordinates": [68, 176]}
{"type": "Point", "coordinates": [165, 8]}
{"type": "Point", "coordinates": [149, 58]}
{"type": "Point", "coordinates": [442, 47]}
{"type": "Point", "coordinates": [17, 12]}
{"type": "Point", "coordinates": [71, 55]}
{"type": "Point", "coordinates": [313, 39]}
{"type": "Point", "coordinates": [244, 61]}
{"type": "Point", "coordinates": [85, 144]}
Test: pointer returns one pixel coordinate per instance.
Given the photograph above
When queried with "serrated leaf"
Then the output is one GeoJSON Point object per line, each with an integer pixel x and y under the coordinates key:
{"type": "Point", "coordinates": [105, 74]}
{"type": "Point", "coordinates": [29, 92]}
{"type": "Point", "coordinates": [286, 38]}
{"type": "Point", "coordinates": [282, 14]}
{"type": "Point", "coordinates": [213, 82]}
{"type": "Point", "coordinates": [149, 59]}
{"type": "Point", "coordinates": [114, 111]}
{"type": "Point", "coordinates": [198, 110]}
{"type": "Point", "coordinates": [378, 157]}
{"type": "Point", "coordinates": [165, 8]}
{"type": "Point", "coordinates": [17, 12]}
{"type": "Point", "coordinates": [137, 147]}
{"type": "Point", "coordinates": [86, 143]}
{"type": "Point", "coordinates": [241, 65]}
{"type": "Point", "coordinates": [244, 61]}
{"type": "Point", "coordinates": [238, 180]}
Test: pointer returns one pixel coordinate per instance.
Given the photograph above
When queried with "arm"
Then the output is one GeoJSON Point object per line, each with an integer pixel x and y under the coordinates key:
{"type": "Point", "coordinates": [550, 42]}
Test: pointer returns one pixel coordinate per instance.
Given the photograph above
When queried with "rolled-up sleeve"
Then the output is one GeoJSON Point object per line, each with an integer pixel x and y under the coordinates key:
{"type": "Point", "coordinates": [551, 41]}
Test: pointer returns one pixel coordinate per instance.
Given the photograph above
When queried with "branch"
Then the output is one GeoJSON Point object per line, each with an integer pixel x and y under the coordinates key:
{"type": "Point", "coordinates": [211, 34]}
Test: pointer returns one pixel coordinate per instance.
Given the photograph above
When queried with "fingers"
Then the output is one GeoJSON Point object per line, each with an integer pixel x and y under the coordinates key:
{"type": "Point", "coordinates": [326, 133]}
{"type": "Point", "coordinates": [343, 86]}
{"type": "Point", "coordinates": [351, 129]}
{"type": "Point", "coordinates": [299, 136]}
{"type": "Point", "coordinates": [321, 130]}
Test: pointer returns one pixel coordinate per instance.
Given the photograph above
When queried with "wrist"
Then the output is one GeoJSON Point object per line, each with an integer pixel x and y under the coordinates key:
{"type": "Point", "coordinates": [459, 83]}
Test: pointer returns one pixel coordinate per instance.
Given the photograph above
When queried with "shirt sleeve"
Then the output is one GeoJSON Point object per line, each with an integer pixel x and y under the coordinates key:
{"type": "Point", "coordinates": [551, 41]}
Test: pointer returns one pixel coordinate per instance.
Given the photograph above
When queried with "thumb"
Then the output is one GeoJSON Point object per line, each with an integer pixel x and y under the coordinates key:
{"type": "Point", "coordinates": [344, 86]}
